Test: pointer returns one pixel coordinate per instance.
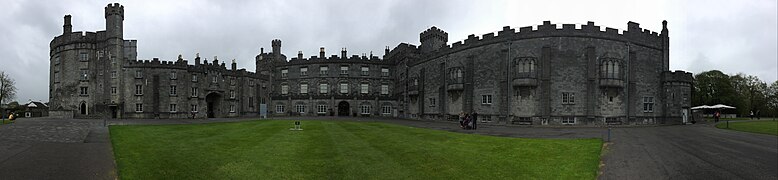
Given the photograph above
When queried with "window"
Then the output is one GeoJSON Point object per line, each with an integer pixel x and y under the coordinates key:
{"type": "Point", "coordinates": [284, 73]}
{"type": "Point", "coordinates": [610, 68]}
{"type": "Point", "coordinates": [232, 94]}
{"type": "Point", "coordinates": [365, 70]}
{"type": "Point", "coordinates": [194, 77]}
{"type": "Point", "coordinates": [648, 104]}
{"type": "Point", "coordinates": [303, 71]}
{"type": "Point", "coordinates": [284, 89]}
{"type": "Point", "coordinates": [363, 88]}
{"type": "Point", "coordinates": [84, 75]}
{"type": "Point", "coordinates": [486, 99]}
{"type": "Point", "coordinates": [304, 88]}
{"type": "Point", "coordinates": [300, 108]}
{"type": "Point", "coordinates": [214, 79]}
{"type": "Point", "coordinates": [322, 109]}
{"type": "Point", "coordinates": [343, 69]}
{"type": "Point", "coordinates": [138, 107]}
{"type": "Point", "coordinates": [324, 88]}
{"type": "Point", "coordinates": [455, 75]}
{"type": "Point", "coordinates": [232, 108]}
{"type": "Point", "coordinates": [113, 90]}
{"type": "Point", "coordinates": [568, 98]}
{"type": "Point", "coordinates": [568, 120]}
{"type": "Point", "coordinates": [280, 108]}
{"type": "Point", "coordinates": [432, 102]}
{"type": "Point", "coordinates": [232, 81]}
{"type": "Point", "coordinates": [83, 56]}
{"type": "Point", "coordinates": [384, 89]}
{"type": "Point", "coordinates": [364, 109]}
{"type": "Point", "coordinates": [173, 108]}
{"type": "Point", "coordinates": [56, 60]}
{"type": "Point", "coordinates": [251, 82]}
{"type": "Point", "coordinates": [194, 92]}
{"type": "Point", "coordinates": [251, 102]}
{"type": "Point", "coordinates": [194, 108]}
{"type": "Point", "coordinates": [83, 91]}
{"type": "Point", "coordinates": [323, 70]}
{"type": "Point", "coordinates": [138, 89]}
{"type": "Point", "coordinates": [113, 74]}
{"type": "Point", "coordinates": [385, 72]}
{"type": "Point", "coordinates": [173, 75]}
{"type": "Point", "coordinates": [386, 109]}
{"type": "Point", "coordinates": [525, 66]}
{"type": "Point", "coordinates": [138, 74]}
{"type": "Point", "coordinates": [343, 88]}
{"type": "Point", "coordinates": [173, 90]}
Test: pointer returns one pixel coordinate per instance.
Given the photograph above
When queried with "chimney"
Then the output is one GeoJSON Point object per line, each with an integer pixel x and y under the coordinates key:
{"type": "Point", "coordinates": [234, 65]}
{"type": "Point", "coordinates": [343, 53]}
{"type": "Point", "coordinates": [300, 55]}
{"type": "Point", "coordinates": [321, 52]}
{"type": "Point", "coordinates": [67, 28]}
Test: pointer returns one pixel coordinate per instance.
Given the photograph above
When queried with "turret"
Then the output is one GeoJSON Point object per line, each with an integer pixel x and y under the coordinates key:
{"type": "Point", "coordinates": [665, 46]}
{"type": "Point", "coordinates": [432, 39]}
{"type": "Point", "coordinates": [67, 28]}
{"type": "Point", "coordinates": [276, 44]}
{"type": "Point", "coordinates": [114, 20]}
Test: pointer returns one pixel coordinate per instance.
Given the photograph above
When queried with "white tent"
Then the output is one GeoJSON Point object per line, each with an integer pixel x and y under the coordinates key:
{"type": "Point", "coordinates": [721, 106]}
{"type": "Point", "coordinates": [701, 107]}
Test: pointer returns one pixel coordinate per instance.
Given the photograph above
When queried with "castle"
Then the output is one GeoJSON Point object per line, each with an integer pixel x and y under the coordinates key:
{"type": "Point", "coordinates": [540, 75]}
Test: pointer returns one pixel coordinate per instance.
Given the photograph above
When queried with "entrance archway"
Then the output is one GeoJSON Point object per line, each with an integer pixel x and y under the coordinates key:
{"type": "Point", "coordinates": [213, 100]}
{"type": "Point", "coordinates": [343, 108]}
{"type": "Point", "coordinates": [82, 108]}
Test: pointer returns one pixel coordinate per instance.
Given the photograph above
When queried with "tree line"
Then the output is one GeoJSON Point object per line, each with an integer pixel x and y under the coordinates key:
{"type": "Point", "coordinates": [745, 92]}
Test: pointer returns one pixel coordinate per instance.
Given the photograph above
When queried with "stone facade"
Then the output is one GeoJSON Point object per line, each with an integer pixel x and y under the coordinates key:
{"type": "Point", "coordinates": [541, 75]}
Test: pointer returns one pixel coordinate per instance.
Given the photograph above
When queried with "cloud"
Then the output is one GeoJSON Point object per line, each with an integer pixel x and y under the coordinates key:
{"type": "Point", "coordinates": [731, 36]}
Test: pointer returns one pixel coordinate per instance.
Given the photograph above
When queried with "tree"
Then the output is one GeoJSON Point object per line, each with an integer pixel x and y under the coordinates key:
{"type": "Point", "coordinates": [7, 90]}
{"type": "Point", "coordinates": [751, 92]}
{"type": "Point", "coordinates": [713, 87]}
{"type": "Point", "coordinates": [772, 99]}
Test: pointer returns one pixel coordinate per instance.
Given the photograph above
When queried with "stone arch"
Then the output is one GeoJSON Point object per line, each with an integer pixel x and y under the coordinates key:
{"type": "Point", "coordinates": [83, 108]}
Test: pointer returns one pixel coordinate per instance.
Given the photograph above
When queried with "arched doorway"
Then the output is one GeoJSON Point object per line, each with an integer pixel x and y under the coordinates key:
{"type": "Point", "coordinates": [82, 108]}
{"type": "Point", "coordinates": [343, 108]}
{"type": "Point", "coordinates": [213, 100]}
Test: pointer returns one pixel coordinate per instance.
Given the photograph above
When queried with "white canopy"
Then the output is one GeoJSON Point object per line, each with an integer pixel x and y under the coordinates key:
{"type": "Point", "coordinates": [721, 106]}
{"type": "Point", "coordinates": [702, 107]}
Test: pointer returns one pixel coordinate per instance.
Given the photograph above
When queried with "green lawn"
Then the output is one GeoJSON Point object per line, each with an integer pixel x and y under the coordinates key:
{"type": "Point", "coordinates": [763, 127]}
{"type": "Point", "coordinates": [342, 150]}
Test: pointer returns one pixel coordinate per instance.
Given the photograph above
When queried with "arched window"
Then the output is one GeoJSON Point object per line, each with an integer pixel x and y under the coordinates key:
{"type": "Point", "coordinates": [525, 67]}
{"type": "Point", "coordinates": [610, 68]}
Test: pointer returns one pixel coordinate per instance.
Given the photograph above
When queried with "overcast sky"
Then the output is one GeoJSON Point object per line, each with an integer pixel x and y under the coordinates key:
{"type": "Point", "coordinates": [732, 36]}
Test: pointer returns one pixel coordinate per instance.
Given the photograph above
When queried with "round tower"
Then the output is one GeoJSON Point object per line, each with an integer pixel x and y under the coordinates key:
{"type": "Point", "coordinates": [114, 20]}
{"type": "Point", "coordinates": [432, 39]}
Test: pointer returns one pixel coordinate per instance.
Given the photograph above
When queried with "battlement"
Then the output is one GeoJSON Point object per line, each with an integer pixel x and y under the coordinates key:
{"type": "Point", "coordinates": [78, 37]}
{"type": "Point", "coordinates": [677, 76]}
{"type": "Point", "coordinates": [131, 43]}
{"type": "Point", "coordinates": [633, 34]}
{"type": "Point", "coordinates": [114, 9]}
{"type": "Point", "coordinates": [184, 65]}
{"type": "Point", "coordinates": [433, 32]}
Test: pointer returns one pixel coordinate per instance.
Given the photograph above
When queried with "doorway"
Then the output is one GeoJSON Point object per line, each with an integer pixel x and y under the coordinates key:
{"type": "Point", "coordinates": [213, 101]}
{"type": "Point", "coordinates": [343, 108]}
{"type": "Point", "coordinates": [82, 108]}
{"type": "Point", "coordinates": [113, 112]}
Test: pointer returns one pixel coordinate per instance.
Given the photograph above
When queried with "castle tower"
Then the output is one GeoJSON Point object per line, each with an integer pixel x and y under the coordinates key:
{"type": "Point", "coordinates": [432, 39]}
{"type": "Point", "coordinates": [114, 29]}
{"type": "Point", "coordinates": [114, 20]}
{"type": "Point", "coordinates": [276, 44]}
{"type": "Point", "coordinates": [67, 28]}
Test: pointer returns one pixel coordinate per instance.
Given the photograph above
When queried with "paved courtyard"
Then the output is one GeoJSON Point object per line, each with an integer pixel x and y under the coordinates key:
{"type": "Point", "coordinates": [81, 149]}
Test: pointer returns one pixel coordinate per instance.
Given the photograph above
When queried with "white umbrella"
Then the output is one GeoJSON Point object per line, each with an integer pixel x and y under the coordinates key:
{"type": "Point", "coordinates": [701, 107]}
{"type": "Point", "coordinates": [721, 106]}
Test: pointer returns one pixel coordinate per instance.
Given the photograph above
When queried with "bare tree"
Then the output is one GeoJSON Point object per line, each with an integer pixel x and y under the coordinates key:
{"type": "Point", "coordinates": [7, 87]}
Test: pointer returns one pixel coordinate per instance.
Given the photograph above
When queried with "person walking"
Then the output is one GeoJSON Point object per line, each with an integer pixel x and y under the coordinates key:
{"type": "Point", "coordinates": [752, 115]}
{"type": "Point", "coordinates": [717, 115]}
{"type": "Point", "coordinates": [462, 119]}
{"type": "Point", "coordinates": [475, 120]}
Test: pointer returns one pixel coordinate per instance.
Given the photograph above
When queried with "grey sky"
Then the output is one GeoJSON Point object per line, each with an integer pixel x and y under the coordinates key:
{"type": "Point", "coordinates": [732, 36]}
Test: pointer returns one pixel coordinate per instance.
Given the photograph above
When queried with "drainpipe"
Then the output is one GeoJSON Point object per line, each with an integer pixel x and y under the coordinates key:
{"type": "Point", "coordinates": [628, 70]}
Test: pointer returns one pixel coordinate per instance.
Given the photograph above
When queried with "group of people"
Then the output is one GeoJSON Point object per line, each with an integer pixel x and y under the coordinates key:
{"type": "Point", "coordinates": [468, 121]}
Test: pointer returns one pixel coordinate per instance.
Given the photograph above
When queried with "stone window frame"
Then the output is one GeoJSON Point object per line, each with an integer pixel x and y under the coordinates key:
{"type": "Point", "coordinates": [194, 77]}
{"type": "Point", "coordinates": [321, 109]}
{"type": "Point", "coordinates": [386, 109]}
{"type": "Point", "coordinates": [138, 89]}
{"type": "Point", "coordinates": [83, 56]}
{"type": "Point", "coordinates": [284, 73]}
{"type": "Point", "coordinates": [568, 98]}
{"type": "Point", "coordinates": [194, 92]}
{"type": "Point", "coordinates": [113, 90]}
{"type": "Point", "coordinates": [173, 108]}
{"type": "Point", "coordinates": [364, 88]}
{"type": "Point", "coordinates": [193, 107]}
{"type": "Point", "coordinates": [138, 74]}
{"type": "Point", "coordinates": [173, 90]}
{"type": "Point", "coordinates": [384, 88]}
{"type": "Point", "coordinates": [251, 101]}
{"type": "Point", "coordinates": [113, 74]}
{"type": "Point", "coordinates": [526, 67]}
{"type": "Point", "coordinates": [173, 75]}
{"type": "Point", "coordinates": [648, 104]}
{"type": "Point", "coordinates": [456, 75]}
{"type": "Point", "coordinates": [344, 69]}
{"type": "Point", "coordinates": [384, 72]}
{"type": "Point", "coordinates": [138, 107]}
{"type": "Point", "coordinates": [232, 94]}
{"type": "Point", "coordinates": [233, 108]}
{"type": "Point", "coordinates": [83, 91]}
{"type": "Point", "coordinates": [364, 109]}
{"type": "Point", "coordinates": [299, 108]}
{"type": "Point", "coordinates": [324, 88]}
{"type": "Point", "coordinates": [365, 70]}
{"type": "Point", "coordinates": [324, 70]}
{"type": "Point", "coordinates": [486, 99]}
{"type": "Point", "coordinates": [343, 90]}
{"type": "Point", "coordinates": [568, 120]}
{"type": "Point", "coordinates": [304, 71]}
{"type": "Point", "coordinates": [304, 89]}
{"type": "Point", "coordinates": [280, 108]}
{"type": "Point", "coordinates": [284, 89]}
{"type": "Point", "coordinates": [84, 75]}
{"type": "Point", "coordinates": [432, 102]}
{"type": "Point", "coordinates": [610, 68]}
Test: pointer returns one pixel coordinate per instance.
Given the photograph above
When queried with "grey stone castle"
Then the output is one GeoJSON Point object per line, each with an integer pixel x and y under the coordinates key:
{"type": "Point", "coordinates": [536, 75]}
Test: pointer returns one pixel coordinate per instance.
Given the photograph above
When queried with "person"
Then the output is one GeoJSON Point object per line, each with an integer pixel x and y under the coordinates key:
{"type": "Point", "coordinates": [717, 115]}
{"type": "Point", "coordinates": [11, 116]}
{"type": "Point", "coordinates": [462, 119]}
{"type": "Point", "coordinates": [475, 120]}
{"type": "Point", "coordinates": [468, 120]}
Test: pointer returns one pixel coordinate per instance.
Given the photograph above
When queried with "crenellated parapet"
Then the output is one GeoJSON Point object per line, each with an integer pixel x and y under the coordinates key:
{"type": "Point", "coordinates": [78, 37]}
{"type": "Point", "coordinates": [678, 76]}
{"type": "Point", "coordinates": [634, 34]}
{"type": "Point", "coordinates": [182, 64]}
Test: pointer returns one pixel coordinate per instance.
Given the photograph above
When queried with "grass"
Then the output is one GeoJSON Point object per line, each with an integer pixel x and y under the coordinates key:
{"type": "Point", "coordinates": [762, 127]}
{"type": "Point", "coordinates": [342, 150]}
